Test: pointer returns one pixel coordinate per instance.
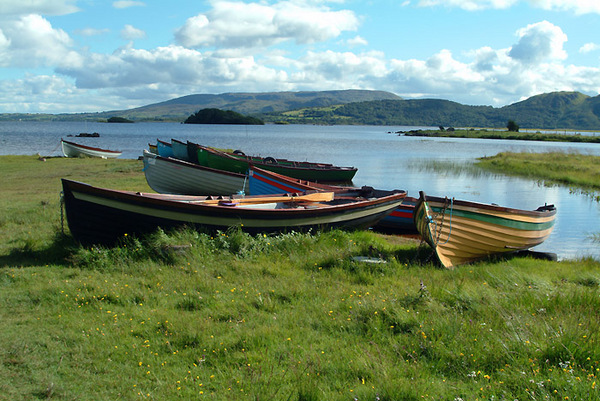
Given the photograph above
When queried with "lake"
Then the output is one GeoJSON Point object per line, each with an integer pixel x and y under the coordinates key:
{"type": "Point", "coordinates": [384, 160]}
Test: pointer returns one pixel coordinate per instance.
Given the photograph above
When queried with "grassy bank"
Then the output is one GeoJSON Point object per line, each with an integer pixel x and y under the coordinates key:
{"type": "Point", "coordinates": [492, 134]}
{"type": "Point", "coordinates": [294, 317]}
{"type": "Point", "coordinates": [572, 169]}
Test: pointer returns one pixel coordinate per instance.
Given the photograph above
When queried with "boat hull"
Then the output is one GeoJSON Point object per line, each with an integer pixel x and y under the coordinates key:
{"type": "Point", "coordinates": [102, 216]}
{"type": "Point", "coordinates": [262, 182]}
{"type": "Point", "coordinates": [462, 232]}
{"type": "Point", "coordinates": [72, 149]}
{"type": "Point", "coordinates": [173, 176]}
{"type": "Point", "coordinates": [238, 163]}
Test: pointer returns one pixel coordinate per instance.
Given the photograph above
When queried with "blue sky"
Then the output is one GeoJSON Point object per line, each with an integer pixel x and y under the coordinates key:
{"type": "Point", "coordinates": [65, 56]}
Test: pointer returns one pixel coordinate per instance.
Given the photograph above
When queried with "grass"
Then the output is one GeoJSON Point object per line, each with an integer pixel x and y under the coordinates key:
{"type": "Point", "coordinates": [571, 169]}
{"type": "Point", "coordinates": [187, 315]}
{"type": "Point", "coordinates": [497, 134]}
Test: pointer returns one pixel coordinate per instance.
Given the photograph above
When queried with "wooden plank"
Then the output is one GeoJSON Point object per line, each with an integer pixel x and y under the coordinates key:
{"type": "Point", "coordinates": [315, 197]}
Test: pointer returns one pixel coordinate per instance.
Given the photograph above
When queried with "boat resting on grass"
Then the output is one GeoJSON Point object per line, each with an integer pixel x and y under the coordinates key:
{"type": "Point", "coordinates": [169, 175]}
{"type": "Point", "coordinates": [263, 182]}
{"type": "Point", "coordinates": [462, 232]}
{"type": "Point", "coordinates": [72, 149]}
{"type": "Point", "coordinates": [103, 216]}
{"type": "Point", "coordinates": [238, 162]}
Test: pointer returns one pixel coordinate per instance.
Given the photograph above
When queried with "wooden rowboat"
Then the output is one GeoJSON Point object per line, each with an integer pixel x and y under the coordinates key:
{"type": "Point", "coordinates": [164, 148]}
{"type": "Point", "coordinates": [461, 232]}
{"type": "Point", "coordinates": [238, 162]}
{"type": "Point", "coordinates": [102, 216]}
{"type": "Point", "coordinates": [168, 175]}
{"type": "Point", "coordinates": [180, 150]}
{"type": "Point", "coordinates": [263, 182]}
{"type": "Point", "coordinates": [72, 149]}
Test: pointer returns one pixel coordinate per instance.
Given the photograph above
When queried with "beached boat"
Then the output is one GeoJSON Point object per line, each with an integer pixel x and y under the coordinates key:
{"type": "Point", "coordinates": [102, 216]}
{"type": "Point", "coordinates": [238, 162]}
{"type": "Point", "coordinates": [462, 232]}
{"type": "Point", "coordinates": [164, 149]}
{"type": "Point", "coordinates": [72, 149]}
{"type": "Point", "coordinates": [168, 175]}
{"type": "Point", "coordinates": [180, 150]}
{"type": "Point", "coordinates": [263, 182]}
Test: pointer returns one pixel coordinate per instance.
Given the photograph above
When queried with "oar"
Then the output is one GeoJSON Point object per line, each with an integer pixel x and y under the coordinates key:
{"type": "Point", "coordinates": [314, 197]}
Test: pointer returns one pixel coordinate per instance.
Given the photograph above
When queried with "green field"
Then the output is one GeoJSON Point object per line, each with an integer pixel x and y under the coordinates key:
{"type": "Point", "coordinates": [186, 315]}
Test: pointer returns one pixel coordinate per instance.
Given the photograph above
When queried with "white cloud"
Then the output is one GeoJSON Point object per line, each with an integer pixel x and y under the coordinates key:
{"type": "Point", "coordinates": [129, 32]}
{"type": "Point", "coordinates": [578, 7]}
{"type": "Point", "coordinates": [357, 41]}
{"type": "Point", "coordinates": [31, 41]}
{"type": "Point", "coordinates": [231, 24]}
{"type": "Point", "coordinates": [469, 5]}
{"type": "Point", "coordinates": [169, 66]}
{"type": "Point", "coordinates": [91, 32]}
{"type": "Point", "coordinates": [345, 67]}
{"type": "Point", "coordinates": [589, 47]}
{"type": "Point", "coordinates": [127, 4]}
{"type": "Point", "coordinates": [44, 7]}
{"type": "Point", "coordinates": [489, 76]}
{"type": "Point", "coordinates": [539, 41]}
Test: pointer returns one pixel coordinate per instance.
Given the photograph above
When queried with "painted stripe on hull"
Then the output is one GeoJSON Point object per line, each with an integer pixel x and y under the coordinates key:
{"type": "Point", "coordinates": [216, 220]}
{"type": "Point", "coordinates": [400, 221]}
{"type": "Point", "coordinates": [98, 217]}
{"type": "Point", "coordinates": [462, 235]}
{"type": "Point", "coordinates": [71, 149]}
{"type": "Point", "coordinates": [501, 219]}
{"type": "Point", "coordinates": [262, 185]}
{"type": "Point", "coordinates": [168, 176]}
{"type": "Point", "coordinates": [301, 170]}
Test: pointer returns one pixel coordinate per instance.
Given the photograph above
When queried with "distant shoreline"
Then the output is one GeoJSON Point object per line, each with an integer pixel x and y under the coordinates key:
{"type": "Point", "coordinates": [529, 135]}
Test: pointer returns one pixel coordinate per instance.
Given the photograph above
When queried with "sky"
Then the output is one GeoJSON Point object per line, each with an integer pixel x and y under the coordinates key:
{"type": "Point", "coordinates": [70, 56]}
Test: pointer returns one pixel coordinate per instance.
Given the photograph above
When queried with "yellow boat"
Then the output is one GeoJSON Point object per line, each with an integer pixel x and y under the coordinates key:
{"type": "Point", "coordinates": [461, 231]}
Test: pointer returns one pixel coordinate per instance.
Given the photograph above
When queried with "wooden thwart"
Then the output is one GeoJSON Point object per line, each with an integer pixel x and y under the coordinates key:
{"type": "Point", "coordinates": [315, 197]}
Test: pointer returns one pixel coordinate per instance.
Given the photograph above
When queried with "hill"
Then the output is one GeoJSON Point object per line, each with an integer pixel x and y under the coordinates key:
{"type": "Point", "coordinates": [557, 110]}
{"type": "Point", "coordinates": [248, 103]}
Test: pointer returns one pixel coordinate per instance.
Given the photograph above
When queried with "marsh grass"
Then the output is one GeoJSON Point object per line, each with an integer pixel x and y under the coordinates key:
{"type": "Point", "coordinates": [188, 315]}
{"type": "Point", "coordinates": [507, 135]}
{"type": "Point", "coordinates": [578, 171]}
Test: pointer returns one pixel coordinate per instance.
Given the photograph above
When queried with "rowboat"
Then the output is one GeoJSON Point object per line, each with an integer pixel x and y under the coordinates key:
{"type": "Point", "coordinates": [461, 231]}
{"type": "Point", "coordinates": [169, 175]}
{"type": "Point", "coordinates": [180, 150]}
{"type": "Point", "coordinates": [263, 182]}
{"type": "Point", "coordinates": [102, 216]}
{"type": "Point", "coordinates": [72, 149]}
{"type": "Point", "coordinates": [164, 148]}
{"type": "Point", "coordinates": [238, 162]}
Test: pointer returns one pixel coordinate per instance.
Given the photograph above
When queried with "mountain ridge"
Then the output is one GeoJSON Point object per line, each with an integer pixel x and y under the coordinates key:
{"type": "Point", "coordinates": [555, 110]}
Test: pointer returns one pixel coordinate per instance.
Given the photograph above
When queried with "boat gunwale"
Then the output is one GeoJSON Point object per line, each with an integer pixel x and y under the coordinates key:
{"type": "Point", "coordinates": [312, 166]}
{"type": "Point", "coordinates": [546, 210]}
{"type": "Point", "coordinates": [180, 202]}
{"type": "Point", "coordinates": [184, 163]}
{"type": "Point", "coordinates": [77, 145]}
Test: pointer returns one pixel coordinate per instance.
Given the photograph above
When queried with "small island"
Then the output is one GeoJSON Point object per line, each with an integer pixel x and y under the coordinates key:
{"type": "Point", "coordinates": [216, 116]}
{"type": "Point", "coordinates": [118, 120]}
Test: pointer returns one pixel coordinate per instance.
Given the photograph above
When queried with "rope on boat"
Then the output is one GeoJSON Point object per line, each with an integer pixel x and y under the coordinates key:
{"type": "Point", "coordinates": [438, 228]}
{"type": "Point", "coordinates": [61, 203]}
{"type": "Point", "coordinates": [243, 191]}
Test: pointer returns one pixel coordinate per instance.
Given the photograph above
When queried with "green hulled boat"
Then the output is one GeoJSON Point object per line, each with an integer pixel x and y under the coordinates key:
{"type": "Point", "coordinates": [238, 162]}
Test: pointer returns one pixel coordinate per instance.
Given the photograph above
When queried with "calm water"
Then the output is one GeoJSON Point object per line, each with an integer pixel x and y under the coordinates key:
{"type": "Point", "coordinates": [384, 160]}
